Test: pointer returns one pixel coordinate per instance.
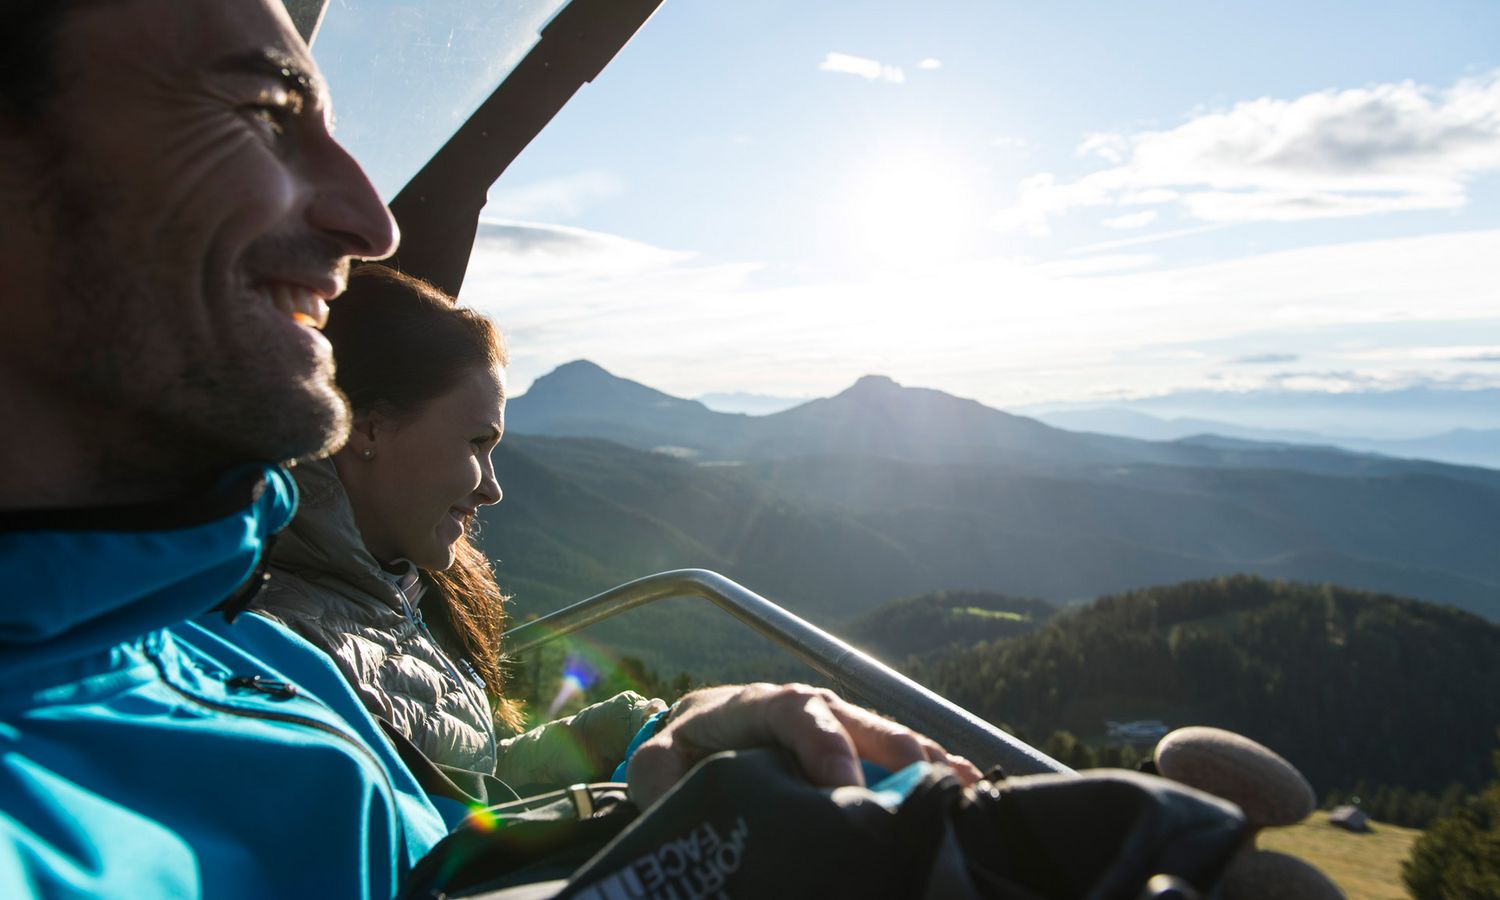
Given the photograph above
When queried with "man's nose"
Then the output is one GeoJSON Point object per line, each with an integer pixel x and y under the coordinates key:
{"type": "Point", "coordinates": [346, 206]}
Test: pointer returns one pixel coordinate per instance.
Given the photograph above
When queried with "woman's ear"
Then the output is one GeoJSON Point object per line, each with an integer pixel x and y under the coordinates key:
{"type": "Point", "coordinates": [364, 436]}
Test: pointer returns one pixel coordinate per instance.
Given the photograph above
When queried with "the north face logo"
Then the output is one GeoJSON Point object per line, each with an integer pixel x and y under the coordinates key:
{"type": "Point", "coordinates": [695, 866]}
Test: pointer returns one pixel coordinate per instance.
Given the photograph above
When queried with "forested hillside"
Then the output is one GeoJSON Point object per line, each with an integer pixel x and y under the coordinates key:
{"type": "Point", "coordinates": [944, 621]}
{"type": "Point", "coordinates": [834, 537]}
{"type": "Point", "coordinates": [1350, 686]}
{"type": "Point", "coordinates": [916, 545]}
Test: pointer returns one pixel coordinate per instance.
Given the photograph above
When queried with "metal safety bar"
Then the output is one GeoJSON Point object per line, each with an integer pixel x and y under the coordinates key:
{"type": "Point", "coordinates": [856, 674]}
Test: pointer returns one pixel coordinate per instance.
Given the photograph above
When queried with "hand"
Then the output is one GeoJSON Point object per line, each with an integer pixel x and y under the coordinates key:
{"type": "Point", "coordinates": [827, 735]}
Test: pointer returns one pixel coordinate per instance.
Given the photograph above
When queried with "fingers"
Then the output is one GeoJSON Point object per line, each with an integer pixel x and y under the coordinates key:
{"type": "Point", "coordinates": [803, 720]}
{"type": "Point", "coordinates": [894, 746]}
{"type": "Point", "coordinates": [655, 767]}
{"type": "Point", "coordinates": [705, 721]}
{"type": "Point", "coordinates": [967, 772]}
{"type": "Point", "coordinates": [827, 735]}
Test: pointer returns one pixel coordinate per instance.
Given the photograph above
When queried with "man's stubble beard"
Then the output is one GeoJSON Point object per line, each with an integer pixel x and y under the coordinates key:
{"type": "Point", "coordinates": [181, 407]}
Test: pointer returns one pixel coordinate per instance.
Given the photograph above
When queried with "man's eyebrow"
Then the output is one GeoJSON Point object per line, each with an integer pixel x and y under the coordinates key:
{"type": "Point", "coordinates": [275, 64]}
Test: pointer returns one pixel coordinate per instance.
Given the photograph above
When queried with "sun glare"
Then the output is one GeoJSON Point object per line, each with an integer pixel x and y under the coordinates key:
{"type": "Point", "coordinates": [910, 209]}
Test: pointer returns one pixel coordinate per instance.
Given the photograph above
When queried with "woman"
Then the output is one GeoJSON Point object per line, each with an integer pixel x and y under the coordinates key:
{"type": "Point", "coordinates": [379, 568]}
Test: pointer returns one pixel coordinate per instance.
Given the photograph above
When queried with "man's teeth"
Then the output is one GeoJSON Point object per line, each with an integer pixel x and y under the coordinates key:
{"type": "Point", "coordinates": [302, 305]}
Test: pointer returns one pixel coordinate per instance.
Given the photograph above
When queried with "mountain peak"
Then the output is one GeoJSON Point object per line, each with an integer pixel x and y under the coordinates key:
{"type": "Point", "coordinates": [578, 369]}
{"type": "Point", "coordinates": [872, 387]}
{"type": "Point", "coordinates": [582, 398]}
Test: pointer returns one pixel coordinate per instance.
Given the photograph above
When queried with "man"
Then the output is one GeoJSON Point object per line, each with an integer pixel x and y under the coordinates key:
{"type": "Point", "coordinates": [174, 216]}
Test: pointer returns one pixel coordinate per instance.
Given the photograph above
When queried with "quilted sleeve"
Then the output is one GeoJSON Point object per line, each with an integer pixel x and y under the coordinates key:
{"type": "Point", "coordinates": [580, 748]}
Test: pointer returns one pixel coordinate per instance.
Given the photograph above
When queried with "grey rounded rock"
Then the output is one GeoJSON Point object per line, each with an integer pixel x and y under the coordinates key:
{"type": "Point", "coordinates": [1268, 788]}
{"type": "Point", "coordinates": [1265, 874]}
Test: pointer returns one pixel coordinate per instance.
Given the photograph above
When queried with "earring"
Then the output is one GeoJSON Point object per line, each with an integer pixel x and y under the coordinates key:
{"type": "Point", "coordinates": [367, 453]}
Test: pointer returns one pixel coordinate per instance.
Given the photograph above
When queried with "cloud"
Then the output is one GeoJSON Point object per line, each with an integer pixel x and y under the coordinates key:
{"type": "Point", "coordinates": [1339, 382]}
{"type": "Point", "coordinates": [1455, 354]}
{"type": "Point", "coordinates": [1002, 330]}
{"type": "Point", "coordinates": [1154, 238]}
{"type": "Point", "coordinates": [1096, 264]}
{"type": "Point", "coordinates": [868, 69]}
{"type": "Point", "coordinates": [1132, 220]}
{"type": "Point", "coordinates": [1108, 147]}
{"type": "Point", "coordinates": [1337, 153]}
{"type": "Point", "coordinates": [563, 293]}
{"type": "Point", "coordinates": [531, 250]}
{"type": "Point", "coordinates": [929, 64]}
{"type": "Point", "coordinates": [1010, 142]}
{"type": "Point", "coordinates": [561, 197]}
{"type": "Point", "coordinates": [1042, 198]}
{"type": "Point", "coordinates": [1264, 359]}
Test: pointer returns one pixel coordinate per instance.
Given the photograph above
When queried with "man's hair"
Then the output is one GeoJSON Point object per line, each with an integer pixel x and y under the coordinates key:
{"type": "Point", "coordinates": [28, 56]}
{"type": "Point", "coordinates": [398, 344]}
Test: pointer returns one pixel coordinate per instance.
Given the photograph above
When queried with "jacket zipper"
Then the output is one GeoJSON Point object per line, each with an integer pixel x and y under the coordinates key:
{"type": "Point", "coordinates": [257, 683]}
{"type": "Point", "coordinates": [414, 616]}
{"type": "Point", "coordinates": [251, 588]}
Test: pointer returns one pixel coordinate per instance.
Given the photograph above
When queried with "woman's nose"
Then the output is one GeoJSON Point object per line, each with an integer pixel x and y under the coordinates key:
{"type": "Point", "coordinates": [489, 488]}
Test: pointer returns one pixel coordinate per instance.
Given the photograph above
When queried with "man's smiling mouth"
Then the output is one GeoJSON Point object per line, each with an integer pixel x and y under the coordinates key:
{"type": "Point", "coordinates": [302, 305]}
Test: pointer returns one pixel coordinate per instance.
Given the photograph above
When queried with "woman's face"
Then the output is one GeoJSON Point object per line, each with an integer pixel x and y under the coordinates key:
{"type": "Point", "coordinates": [415, 485]}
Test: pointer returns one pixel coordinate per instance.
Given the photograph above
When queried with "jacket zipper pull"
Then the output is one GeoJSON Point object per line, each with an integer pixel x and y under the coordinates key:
{"type": "Point", "coordinates": [279, 690]}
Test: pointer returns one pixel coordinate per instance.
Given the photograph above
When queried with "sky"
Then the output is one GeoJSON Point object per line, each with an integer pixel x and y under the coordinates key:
{"type": "Point", "coordinates": [1023, 203]}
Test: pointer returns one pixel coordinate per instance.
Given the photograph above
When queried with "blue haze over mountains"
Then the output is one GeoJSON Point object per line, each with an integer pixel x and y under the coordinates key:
{"type": "Point", "coordinates": [881, 492]}
{"type": "Point", "coordinates": [1413, 423]}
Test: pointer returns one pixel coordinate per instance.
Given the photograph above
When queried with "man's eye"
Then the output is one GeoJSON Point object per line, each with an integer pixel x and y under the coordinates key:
{"type": "Point", "coordinates": [273, 117]}
{"type": "Point", "coordinates": [274, 109]}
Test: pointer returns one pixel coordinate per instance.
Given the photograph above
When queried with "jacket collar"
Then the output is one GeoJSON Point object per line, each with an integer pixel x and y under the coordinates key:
{"type": "Point", "coordinates": [79, 581]}
{"type": "Point", "coordinates": [323, 545]}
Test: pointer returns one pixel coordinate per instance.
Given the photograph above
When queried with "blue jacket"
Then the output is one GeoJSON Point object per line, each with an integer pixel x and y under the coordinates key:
{"type": "Point", "coordinates": [139, 755]}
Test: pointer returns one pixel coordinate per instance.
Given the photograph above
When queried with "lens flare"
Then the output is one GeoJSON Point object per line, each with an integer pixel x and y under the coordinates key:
{"type": "Point", "coordinates": [482, 818]}
{"type": "Point", "coordinates": [578, 676]}
{"type": "Point", "coordinates": [585, 665]}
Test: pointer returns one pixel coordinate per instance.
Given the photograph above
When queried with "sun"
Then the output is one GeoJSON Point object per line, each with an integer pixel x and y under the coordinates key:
{"type": "Point", "coordinates": [910, 208]}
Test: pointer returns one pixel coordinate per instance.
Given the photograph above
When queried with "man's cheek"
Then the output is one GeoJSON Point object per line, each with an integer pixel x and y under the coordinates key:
{"type": "Point", "coordinates": [251, 196]}
{"type": "Point", "coordinates": [264, 197]}
{"type": "Point", "coordinates": [222, 159]}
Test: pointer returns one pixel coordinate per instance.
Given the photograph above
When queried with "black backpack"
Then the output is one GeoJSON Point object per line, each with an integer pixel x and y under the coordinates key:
{"type": "Point", "coordinates": [746, 825]}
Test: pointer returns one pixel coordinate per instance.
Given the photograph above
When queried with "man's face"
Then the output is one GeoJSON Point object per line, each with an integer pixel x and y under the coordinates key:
{"type": "Point", "coordinates": [172, 225]}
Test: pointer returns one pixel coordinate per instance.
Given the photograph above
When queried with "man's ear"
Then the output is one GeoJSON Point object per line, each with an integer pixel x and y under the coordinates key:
{"type": "Point", "coordinates": [28, 154]}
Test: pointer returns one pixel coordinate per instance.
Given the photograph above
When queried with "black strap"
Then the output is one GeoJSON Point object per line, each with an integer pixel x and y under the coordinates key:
{"type": "Point", "coordinates": [465, 786]}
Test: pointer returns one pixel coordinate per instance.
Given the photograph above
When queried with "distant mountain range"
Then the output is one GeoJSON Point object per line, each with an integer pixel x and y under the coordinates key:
{"type": "Point", "coordinates": [1460, 446]}
{"type": "Point", "coordinates": [751, 404]}
{"type": "Point", "coordinates": [877, 417]}
{"type": "Point", "coordinates": [1375, 414]}
{"type": "Point", "coordinates": [883, 492]}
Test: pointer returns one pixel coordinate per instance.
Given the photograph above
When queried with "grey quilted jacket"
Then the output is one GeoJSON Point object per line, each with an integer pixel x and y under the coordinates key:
{"type": "Point", "coordinates": [327, 587]}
